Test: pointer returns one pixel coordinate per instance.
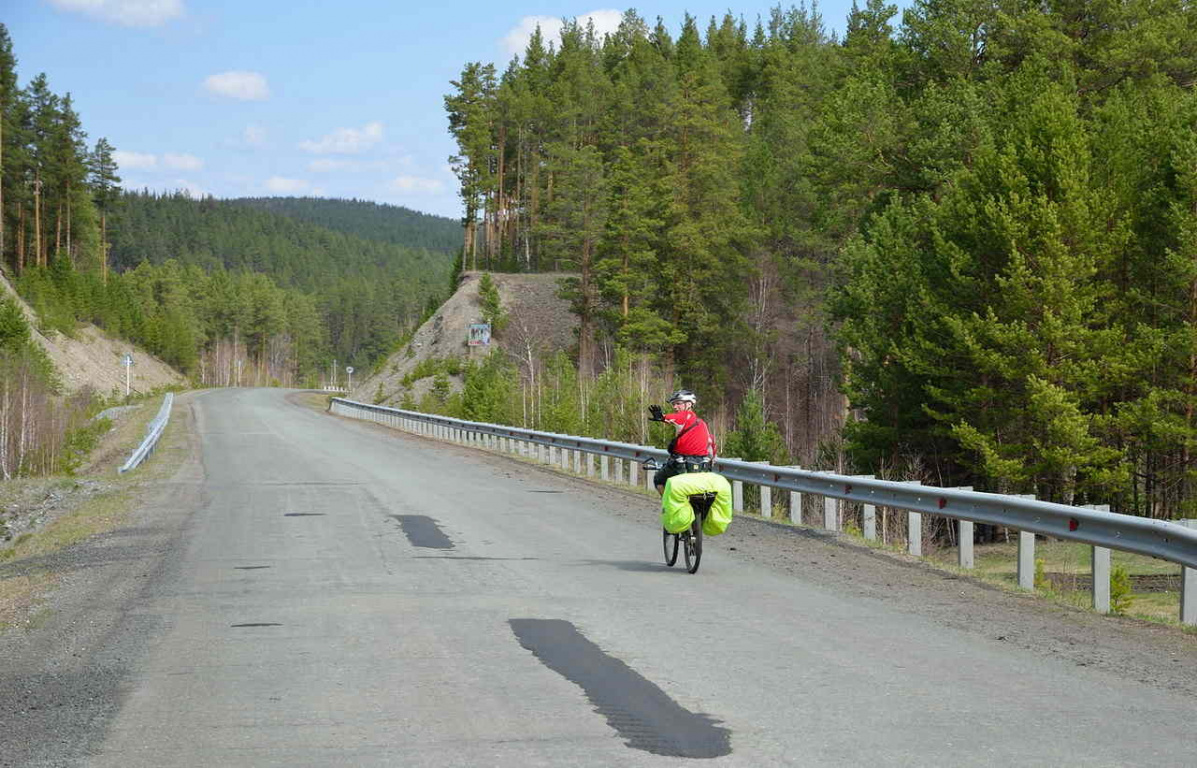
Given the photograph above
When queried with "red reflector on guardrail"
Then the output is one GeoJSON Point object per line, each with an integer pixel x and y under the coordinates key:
{"type": "Point", "coordinates": [1073, 523]}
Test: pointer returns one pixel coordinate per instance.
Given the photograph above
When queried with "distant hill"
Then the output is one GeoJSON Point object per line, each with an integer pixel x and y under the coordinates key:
{"type": "Point", "coordinates": [372, 221]}
{"type": "Point", "coordinates": [371, 291]}
{"type": "Point", "coordinates": [295, 252]}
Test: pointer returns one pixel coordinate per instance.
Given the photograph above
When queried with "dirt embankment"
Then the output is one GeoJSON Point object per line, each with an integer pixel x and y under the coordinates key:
{"type": "Point", "coordinates": [539, 322]}
{"type": "Point", "coordinates": [93, 358]}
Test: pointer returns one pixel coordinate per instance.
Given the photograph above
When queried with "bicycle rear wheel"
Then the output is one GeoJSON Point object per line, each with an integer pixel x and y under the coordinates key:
{"type": "Point", "coordinates": [694, 545]}
{"type": "Point", "coordinates": [669, 542]}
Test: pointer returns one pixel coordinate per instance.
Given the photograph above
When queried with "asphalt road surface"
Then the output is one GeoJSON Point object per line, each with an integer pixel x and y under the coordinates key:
{"type": "Point", "coordinates": [314, 591]}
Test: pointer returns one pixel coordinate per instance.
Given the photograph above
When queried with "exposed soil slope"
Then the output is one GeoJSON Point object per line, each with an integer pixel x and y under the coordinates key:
{"type": "Point", "coordinates": [539, 322]}
{"type": "Point", "coordinates": [93, 358]}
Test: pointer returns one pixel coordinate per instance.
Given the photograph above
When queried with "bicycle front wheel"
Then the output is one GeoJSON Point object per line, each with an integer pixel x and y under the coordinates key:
{"type": "Point", "coordinates": [694, 545]}
{"type": "Point", "coordinates": [669, 542]}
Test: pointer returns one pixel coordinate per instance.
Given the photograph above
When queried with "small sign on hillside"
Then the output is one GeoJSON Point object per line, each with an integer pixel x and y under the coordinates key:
{"type": "Point", "coordinates": [479, 335]}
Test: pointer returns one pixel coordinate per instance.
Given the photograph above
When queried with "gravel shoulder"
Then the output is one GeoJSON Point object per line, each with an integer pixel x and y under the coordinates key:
{"type": "Point", "coordinates": [72, 639]}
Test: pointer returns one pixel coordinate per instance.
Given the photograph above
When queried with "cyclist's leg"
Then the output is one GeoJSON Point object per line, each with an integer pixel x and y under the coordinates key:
{"type": "Point", "coordinates": [664, 473]}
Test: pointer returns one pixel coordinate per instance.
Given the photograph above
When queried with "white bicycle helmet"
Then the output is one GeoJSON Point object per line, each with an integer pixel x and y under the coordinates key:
{"type": "Point", "coordinates": [684, 396]}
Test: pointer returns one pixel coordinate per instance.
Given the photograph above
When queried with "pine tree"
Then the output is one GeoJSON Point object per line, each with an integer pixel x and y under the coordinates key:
{"type": "Point", "coordinates": [104, 183]}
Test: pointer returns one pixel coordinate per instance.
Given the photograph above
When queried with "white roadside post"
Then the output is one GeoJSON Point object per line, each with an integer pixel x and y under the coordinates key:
{"type": "Point", "coordinates": [1100, 559]}
{"type": "Point", "coordinates": [964, 537]}
{"type": "Point", "coordinates": [914, 527]}
{"type": "Point", "coordinates": [1188, 587]}
{"type": "Point", "coordinates": [765, 497]}
{"type": "Point", "coordinates": [127, 361]}
{"type": "Point", "coordinates": [737, 493]}
{"type": "Point", "coordinates": [1026, 553]}
{"type": "Point", "coordinates": [795, 503]}
{"type": "Point", "coordinates": [868, 515]}
{"type": "Point", "coordinates": [349, 370]}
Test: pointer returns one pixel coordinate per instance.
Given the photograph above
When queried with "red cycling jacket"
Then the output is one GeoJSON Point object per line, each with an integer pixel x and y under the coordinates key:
{"type": "Point", "coordinates": [695, 438]}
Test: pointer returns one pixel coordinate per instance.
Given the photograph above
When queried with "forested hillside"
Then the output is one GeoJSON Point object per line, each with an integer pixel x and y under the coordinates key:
{"type": "Point", "coordinates": [371, 221]}
{"type": "Point", "coordinates": [978, 220]}
{"type": "Point", "coordinates": [368, 292]}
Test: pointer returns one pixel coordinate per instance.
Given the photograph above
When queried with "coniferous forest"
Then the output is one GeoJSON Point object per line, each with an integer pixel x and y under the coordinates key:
{"type": "Point", "coordinates": [958, 242]}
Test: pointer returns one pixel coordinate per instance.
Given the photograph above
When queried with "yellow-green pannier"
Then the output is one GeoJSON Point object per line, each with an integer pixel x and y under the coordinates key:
{"type": "Point", "coordinates": [676, 513]}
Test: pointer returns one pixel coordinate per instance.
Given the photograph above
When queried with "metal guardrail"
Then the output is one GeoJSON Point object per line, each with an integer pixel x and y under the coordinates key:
{"type": "Point", "coordinates": [153, 432]}
{"type": "Point", "coordinates": [1156, 538]}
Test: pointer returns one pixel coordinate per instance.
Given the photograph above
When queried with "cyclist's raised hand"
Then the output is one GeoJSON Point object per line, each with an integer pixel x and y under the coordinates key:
{"type": "Point", "coordinates": [657, 413]}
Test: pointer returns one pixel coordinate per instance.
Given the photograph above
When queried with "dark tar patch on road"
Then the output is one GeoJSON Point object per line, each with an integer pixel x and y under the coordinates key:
{"type": "Point", "coordinates": [250, 567]}
{"type": "Point", "coordinates": [546, 491]}
{"type": "Point", "coordinates": [641, 713]}
{"type": "Point", "coordinates": [423, 531]}
{"type": "Point", "coordinates": [304, 514]}
{"type": "Point", "coordinates": [256, 624]}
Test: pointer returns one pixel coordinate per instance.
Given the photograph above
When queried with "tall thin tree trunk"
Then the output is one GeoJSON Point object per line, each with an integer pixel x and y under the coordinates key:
{"type": "Point", "coordinates": [2, 252]}
{"type": "Point", "coordinates": [103, 249]}
{"type": "Point", "coordinates": [70, 253]}
{"type": "Point", "coordinates": [37, 221]}
{"type": "Point", "coordinates": [21, 240]}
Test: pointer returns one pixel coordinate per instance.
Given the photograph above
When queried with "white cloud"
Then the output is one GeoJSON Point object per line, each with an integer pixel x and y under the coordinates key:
{"type": "Point", "coordinates": [281, 185]}
{"type": "Point", "coordinates": [346, 141]}
{"type": "Point", "coordinates": [182, 162]}
{"type": "Point", "coordinates": [416, 184]}
{"type": "Point", "coordinates": [326, 165]}
{"type": "Point", "coordinates": [515, 42]}
{"type": "Point", "coordinates": [243, 86]}
{"type": "Point", "coordinates": [254, 135]}
{"type": "Point", "coordinates": [128, 161]}
{"type": "Point", "coordinates": [129, 13]}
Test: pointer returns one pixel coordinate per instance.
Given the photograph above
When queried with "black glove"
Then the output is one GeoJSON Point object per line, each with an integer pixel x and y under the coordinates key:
{"type": "Point", "coordinates": [657, 414]}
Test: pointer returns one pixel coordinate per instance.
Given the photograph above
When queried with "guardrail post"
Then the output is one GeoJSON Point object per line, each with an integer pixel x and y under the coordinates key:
{"type": "Point", "coordinates": [914, 527]}
{"type": "Point", "coordinates": [964, 537]}
{"type": "Point", "coordinates": [605, 464]}
{"type": "Point", "coordinates": [737, 493]}
{"type": "Point", "coordinates": [795, 502]}
{"type": "Point", "coordinates": [868, 515]}
{"type": "Point", "coordinates": [764, 497]}
{"type": "Point", "coordinates": [1026, 560]}
{"type": "Point", "coordinates": [1026, 553]}
{"type": "Point", "coordinates": [589, 464]}
{"type": "Point", "coordinates": [633, 473]}
{"type": "Point", "coordinates": [617, 471]}
{"type": "Point", "coordinates": [1188, 587]}
{"type": "Point", "coordinates": [1099, 558]}
{"type": "Point", "coordinates": [964, 542]}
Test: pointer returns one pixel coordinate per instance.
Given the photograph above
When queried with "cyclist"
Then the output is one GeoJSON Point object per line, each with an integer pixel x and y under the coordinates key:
{"type": "Point", "coordinates": [692, 448]}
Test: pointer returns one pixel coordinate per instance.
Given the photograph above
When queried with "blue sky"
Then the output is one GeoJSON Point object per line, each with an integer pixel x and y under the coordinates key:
{"type": "Point", "coordinates": [238, 98]}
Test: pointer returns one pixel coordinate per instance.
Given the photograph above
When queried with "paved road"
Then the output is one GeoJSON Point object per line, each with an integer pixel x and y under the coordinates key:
{"type": "Point", "coordinates": [346, 595]}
